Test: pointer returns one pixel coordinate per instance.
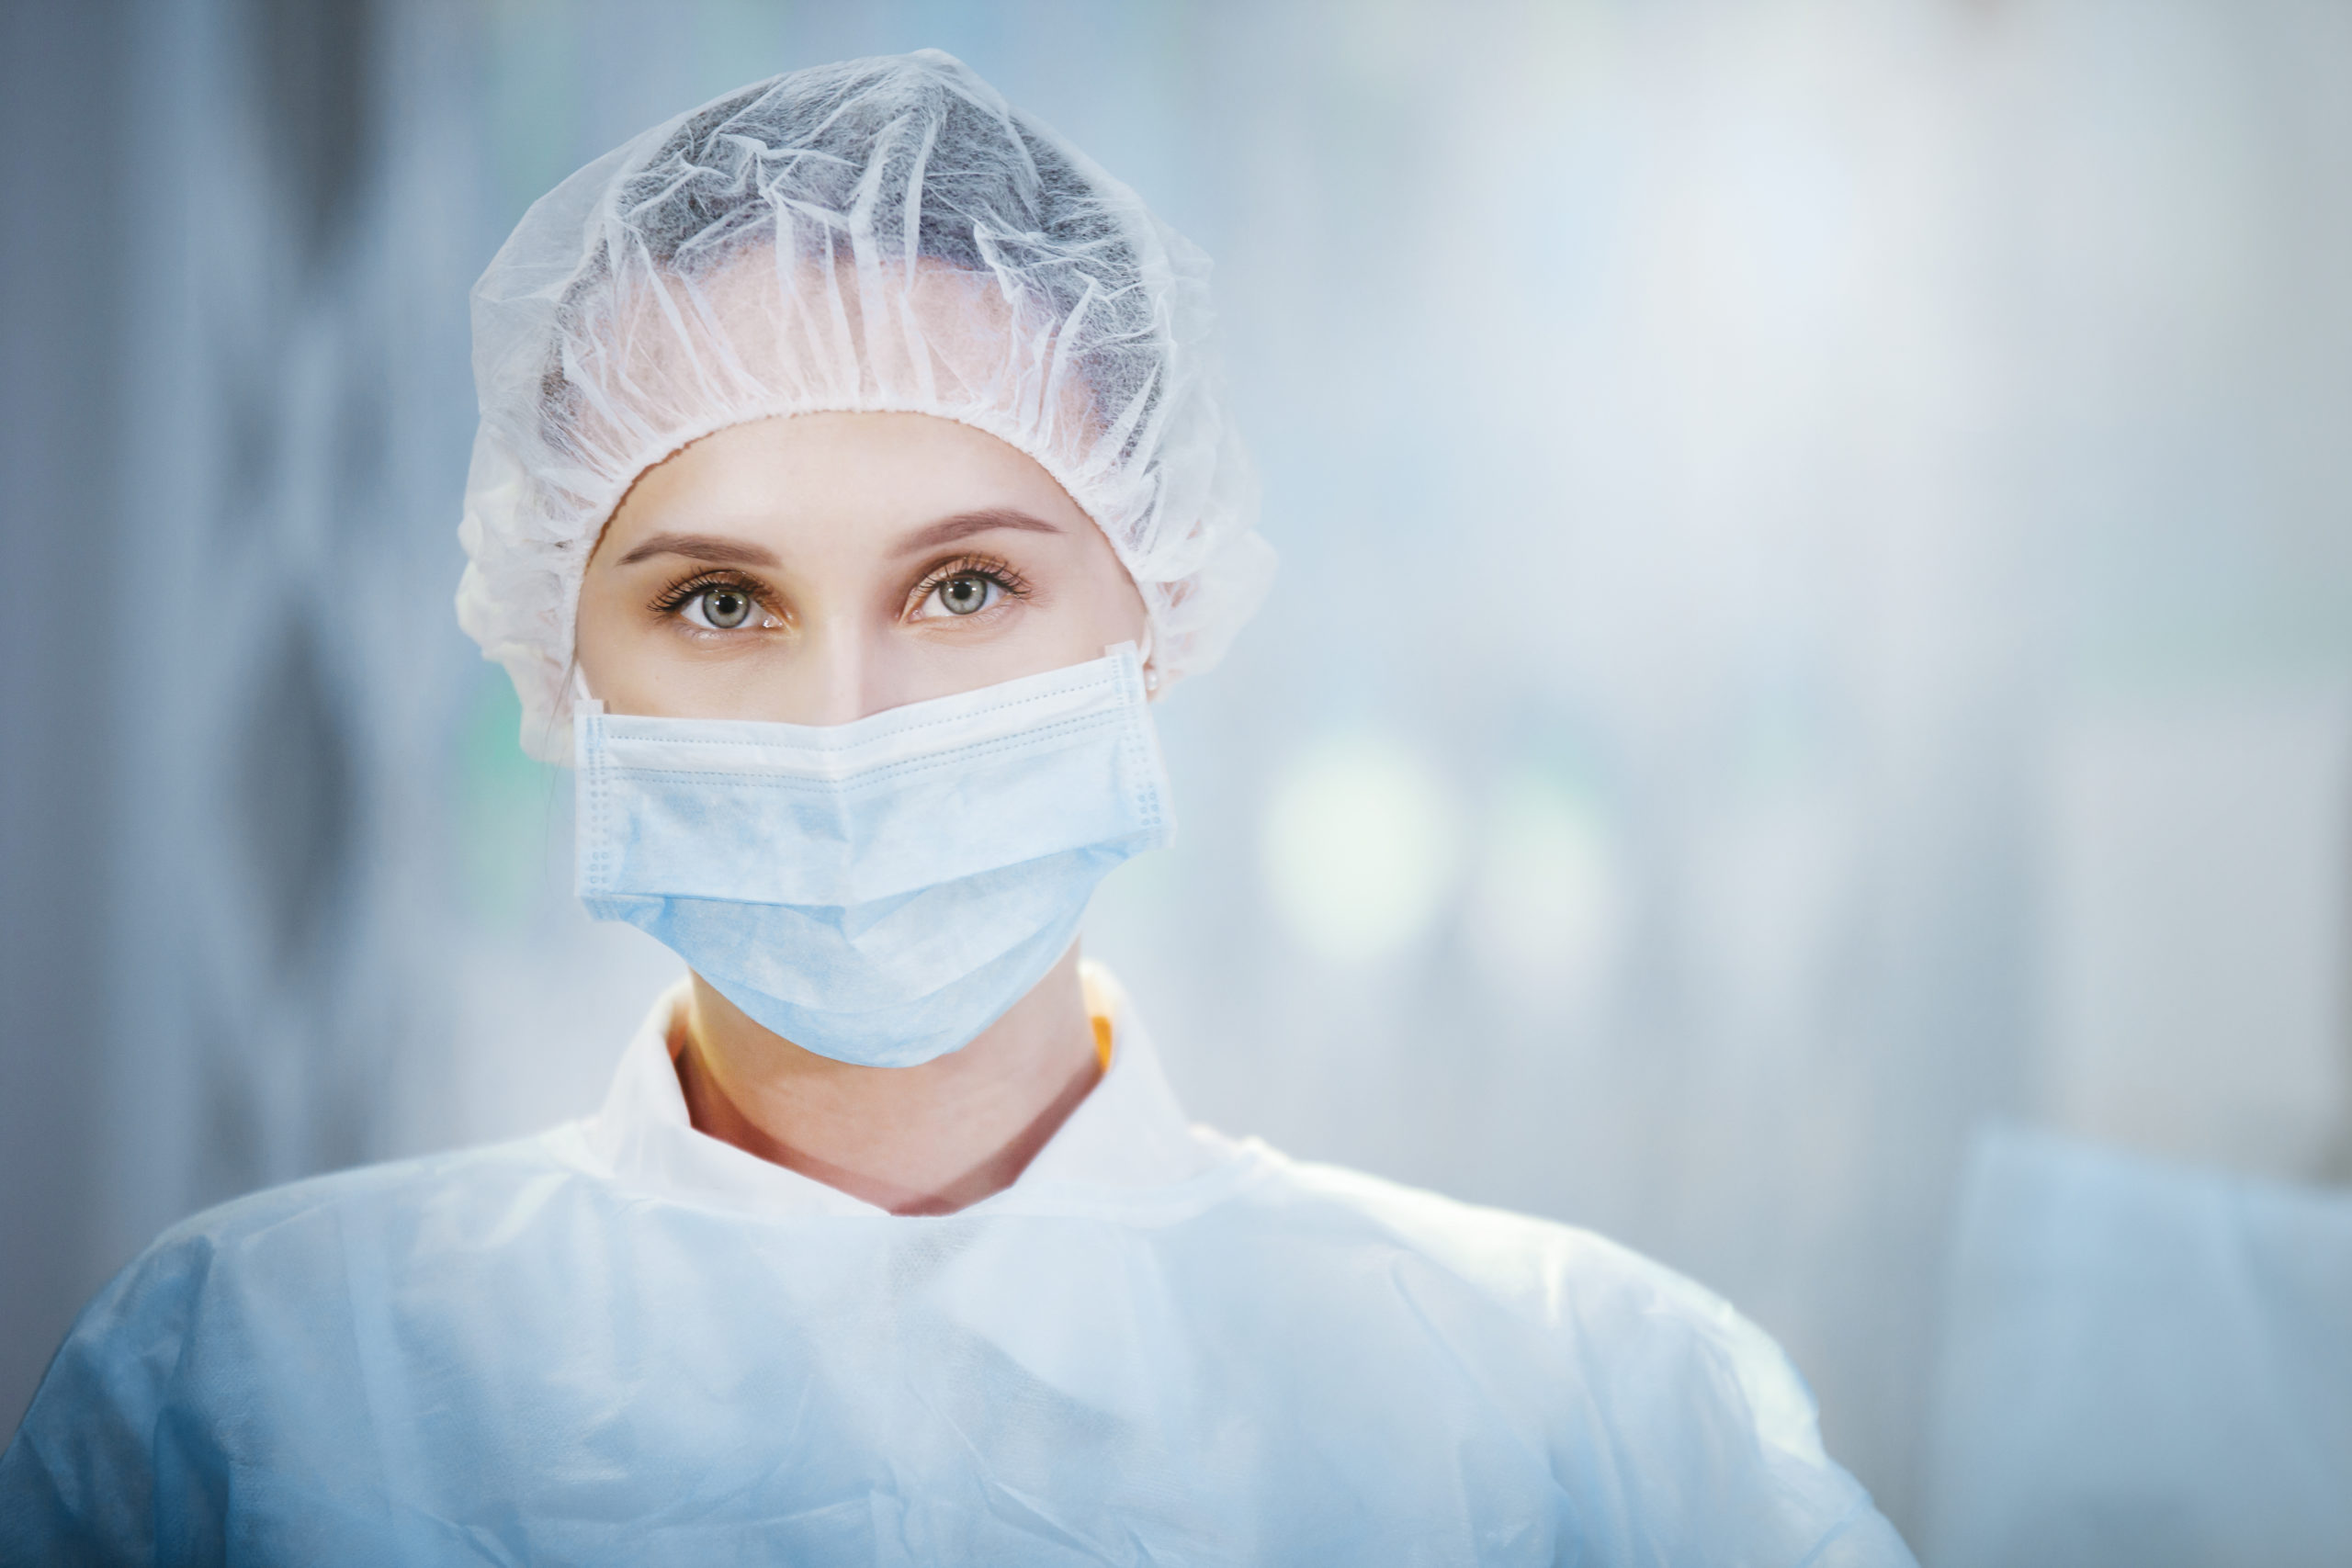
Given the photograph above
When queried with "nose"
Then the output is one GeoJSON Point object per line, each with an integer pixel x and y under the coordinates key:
{"type": "Point", "coordinates": [831, 679]}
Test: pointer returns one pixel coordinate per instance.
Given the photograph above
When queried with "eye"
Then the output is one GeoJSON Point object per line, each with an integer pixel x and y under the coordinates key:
{"type": "Point", "coordinates": [957, 589]}
{"type": "Point", "coordinates": [967, 592]}
{"type": "Point", "coordinates": [720, 606]}
{"type": "Point", "coordinates": [725, 608]}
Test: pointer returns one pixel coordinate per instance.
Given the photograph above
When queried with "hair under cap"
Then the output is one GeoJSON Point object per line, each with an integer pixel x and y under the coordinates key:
{"type": "Point", "coordinates": [878, 235]}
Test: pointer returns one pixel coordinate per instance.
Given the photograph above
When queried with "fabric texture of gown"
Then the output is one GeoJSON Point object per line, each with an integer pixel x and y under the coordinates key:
{"type": "Point", "coordinates": [623, 1342]}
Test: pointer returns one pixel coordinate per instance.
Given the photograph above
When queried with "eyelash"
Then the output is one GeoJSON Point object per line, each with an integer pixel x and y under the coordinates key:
{"type": "Point", "coordinates": [1015, 586]}
{"type": "Point", "coordinates": [675, 597]}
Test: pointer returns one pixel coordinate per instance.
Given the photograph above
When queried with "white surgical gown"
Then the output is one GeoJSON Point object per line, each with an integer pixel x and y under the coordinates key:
{"type": "Point", "coordinates": [622, 1342]}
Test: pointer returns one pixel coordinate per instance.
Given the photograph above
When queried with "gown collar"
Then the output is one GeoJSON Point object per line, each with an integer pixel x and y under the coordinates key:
{"type": "Point", "coordinates": [1128, 1135]}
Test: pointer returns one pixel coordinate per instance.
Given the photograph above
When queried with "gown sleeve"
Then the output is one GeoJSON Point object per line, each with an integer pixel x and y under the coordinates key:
{"type": "Point", "coordinates": [1722, 1454]}
{"type": "Point", "coordinates": [78, 1485]}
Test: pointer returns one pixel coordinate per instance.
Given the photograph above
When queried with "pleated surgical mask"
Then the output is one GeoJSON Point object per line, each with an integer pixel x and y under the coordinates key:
{"type": "Point", "coordinates": [882, 891]}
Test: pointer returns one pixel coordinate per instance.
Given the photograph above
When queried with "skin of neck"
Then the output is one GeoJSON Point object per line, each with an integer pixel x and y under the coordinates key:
{"type": "Point", "coordinates": [923, 1139]}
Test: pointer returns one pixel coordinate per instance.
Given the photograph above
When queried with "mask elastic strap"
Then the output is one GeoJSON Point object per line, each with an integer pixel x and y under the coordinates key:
{"type": "Point", "coordinates": [1143, 658]}
{"type": "Point", "coordinates": [581, 701]}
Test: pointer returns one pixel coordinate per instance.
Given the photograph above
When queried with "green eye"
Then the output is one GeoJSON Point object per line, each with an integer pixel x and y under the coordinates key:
{"type": "Point", "coordinates": [726, 608]}
{"type": "Point", "coordinates": [964, 594]}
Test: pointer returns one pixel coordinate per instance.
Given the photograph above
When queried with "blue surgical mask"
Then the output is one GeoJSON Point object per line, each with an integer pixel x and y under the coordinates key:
{"type": "Point", "coordinates": [882, 891]}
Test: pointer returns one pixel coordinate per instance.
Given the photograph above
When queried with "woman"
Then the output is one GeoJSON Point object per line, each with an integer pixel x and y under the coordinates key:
{"type": "Point", "coordinates": [850, 478]}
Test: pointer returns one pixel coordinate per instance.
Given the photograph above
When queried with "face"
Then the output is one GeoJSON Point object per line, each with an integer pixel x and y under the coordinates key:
{"type": "Point", "coordinates": [819, 568]}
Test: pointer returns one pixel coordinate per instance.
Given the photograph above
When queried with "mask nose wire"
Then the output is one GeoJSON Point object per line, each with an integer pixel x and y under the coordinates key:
{"type": "Point", "coordinates": [586, 701]}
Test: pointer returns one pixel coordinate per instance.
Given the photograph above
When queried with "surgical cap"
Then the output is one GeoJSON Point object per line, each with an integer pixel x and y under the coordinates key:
{"type": "Point", "coordinates": [878, 235]}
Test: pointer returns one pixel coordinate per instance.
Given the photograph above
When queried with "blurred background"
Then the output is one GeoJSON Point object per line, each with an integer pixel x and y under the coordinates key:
{"type": "Point", "coordinates": [1805, 724]}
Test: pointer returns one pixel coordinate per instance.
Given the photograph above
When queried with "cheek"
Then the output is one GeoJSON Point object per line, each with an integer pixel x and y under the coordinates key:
{"type": "Point", "coordinates": [1103, 597]}
{"type": "Point", "coordinates": [1120, 604]}
{"type": "Point", "coordinates": [600, 639]}
{"type": "Point", "coordinates": [591, 620]}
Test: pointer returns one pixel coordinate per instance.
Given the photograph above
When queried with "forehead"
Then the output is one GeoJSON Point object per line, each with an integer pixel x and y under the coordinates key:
{"type": "Point", "coordinates": [844, 474]}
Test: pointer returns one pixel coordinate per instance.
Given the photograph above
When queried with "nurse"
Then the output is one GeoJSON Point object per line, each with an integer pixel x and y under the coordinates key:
{"type": "Point", "coordinates": [850, 479]}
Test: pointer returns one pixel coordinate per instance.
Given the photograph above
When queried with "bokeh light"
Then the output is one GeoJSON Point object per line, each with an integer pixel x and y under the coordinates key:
{"type": "Point", "coordinates": [1548, 906]}
{"type": "Point", "coordinates": [1361, 846]}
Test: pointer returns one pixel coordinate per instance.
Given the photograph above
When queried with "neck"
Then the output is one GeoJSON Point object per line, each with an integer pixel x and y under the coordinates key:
{"type": "Point", "coordinates": [921, 1140]}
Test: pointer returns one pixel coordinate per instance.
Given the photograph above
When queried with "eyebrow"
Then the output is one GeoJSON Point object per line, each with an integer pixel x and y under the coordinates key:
{"type": "Point", "coordinates": [964, 525]}
{"type": "Point", "coordinates": [712, 548]}
{"type": "Point", "coordinates": [720, 550]}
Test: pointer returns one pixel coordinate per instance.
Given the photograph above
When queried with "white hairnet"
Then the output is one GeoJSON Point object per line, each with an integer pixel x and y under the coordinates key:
{"type": "Point", "coordinates": [882, 234]}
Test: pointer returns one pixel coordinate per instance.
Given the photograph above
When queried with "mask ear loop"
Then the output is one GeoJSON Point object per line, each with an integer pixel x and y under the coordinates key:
{"type": "Point", "coordinates": [581, 701]}
{"type": "Point", "coordinates": [1143, 656]}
